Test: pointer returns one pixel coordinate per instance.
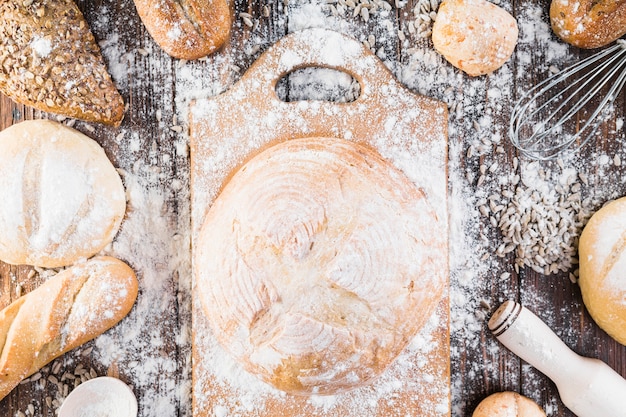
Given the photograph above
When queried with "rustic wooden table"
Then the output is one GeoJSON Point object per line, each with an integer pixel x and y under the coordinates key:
{"type": "Point", "coordinates": [151, 351]}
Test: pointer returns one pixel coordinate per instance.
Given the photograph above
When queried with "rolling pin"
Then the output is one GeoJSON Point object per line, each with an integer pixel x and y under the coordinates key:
{"type": "Point", "coordinates": [588, 387]}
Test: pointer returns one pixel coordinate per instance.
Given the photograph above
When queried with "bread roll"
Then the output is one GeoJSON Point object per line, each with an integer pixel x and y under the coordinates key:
{"type": "Point", "coordinates": [315, 265]}
{"type": "Point", "coordinates": [475, 36]}
{"type": "Point", "coordinates": [588, 23]}
{"type": "Point", "coordinates": [50, 60]}
{"type": "Point", "coordinates": [66, 311]}
{"type": "Point", "coordinates": [62, 198]}
{"type": "Point", "coordinates": [187, 29]}
{"type": "Point", "coordinates": [603, 268]}
{"type": "Point", "coordinates": [508, 404]}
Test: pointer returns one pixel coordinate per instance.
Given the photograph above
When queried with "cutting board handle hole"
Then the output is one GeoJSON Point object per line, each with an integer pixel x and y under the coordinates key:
{"type": "Point", "coordinates": [318, 83]}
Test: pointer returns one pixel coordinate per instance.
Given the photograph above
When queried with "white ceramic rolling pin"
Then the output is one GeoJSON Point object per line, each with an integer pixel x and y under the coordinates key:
{"type": "Point", "coordinates": [588, 387]}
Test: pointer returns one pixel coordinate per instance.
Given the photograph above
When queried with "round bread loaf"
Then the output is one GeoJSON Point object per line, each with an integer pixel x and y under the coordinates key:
{"type": "Point", "coordinates": [602, 258]}
{"type": "Point", "coordinates": [315, 265]}
{"type": "Point", "coordinates": [508, 404]}
{"type": "Point", "coordinates": [62, 198]}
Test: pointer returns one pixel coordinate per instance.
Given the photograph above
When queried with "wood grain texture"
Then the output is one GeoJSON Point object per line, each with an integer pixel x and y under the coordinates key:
{"type": "Point", "coordinates": [150, 83]}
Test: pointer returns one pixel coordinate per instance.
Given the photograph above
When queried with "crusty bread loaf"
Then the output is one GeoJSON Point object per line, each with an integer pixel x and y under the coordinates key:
{"type": "Point", "coordinates": [602, 258]}
{"type": "Point", "coordinates": [588, 23]}
{"type": "Point", "coordinates": [187, 29]}
{"type": "Point", "coordinates": [314, 265]}
{"type": "Point", "coordinates": [66, 311]}
{"type": "Point", "coordinates": [62, 198]}
{"type": "Point", "coordinates": [508, 404]}
{"type": "Point", "coordinates": [475, 36]}
{"type": "Point", "coordinates": [49, 60]}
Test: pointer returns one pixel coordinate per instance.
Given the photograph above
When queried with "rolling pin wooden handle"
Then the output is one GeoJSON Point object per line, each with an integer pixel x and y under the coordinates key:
{"type": "Point", "coordinates": [588, 387]}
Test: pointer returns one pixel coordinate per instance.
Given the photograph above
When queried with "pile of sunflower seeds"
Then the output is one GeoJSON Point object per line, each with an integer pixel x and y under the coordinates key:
{"type": "Point", "coordinates": [540, 219]}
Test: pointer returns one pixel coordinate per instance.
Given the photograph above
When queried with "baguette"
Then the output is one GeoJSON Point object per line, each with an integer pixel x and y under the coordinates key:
{"type": "Point", "coordinates": [186, 29]}
{"type": "Point", "coordinates": [66, 311]}
{"type": "Point", "coordinates": [49, 60]}
{"type": "Point", "coordinates": [588, 23]}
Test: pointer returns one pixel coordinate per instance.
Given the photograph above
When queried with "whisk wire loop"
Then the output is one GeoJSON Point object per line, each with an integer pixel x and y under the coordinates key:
{"type": "Point", "coordinates": [539, 117]}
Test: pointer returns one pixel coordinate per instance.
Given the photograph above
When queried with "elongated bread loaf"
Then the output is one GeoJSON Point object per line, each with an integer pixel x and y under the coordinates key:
{"type": "Point", "coordinates": [187, 29]}
{"type": "Point", "coordinates": [50, 60]}
{"type": "Point", "coordinates": [66, 311]}
{"type": "Point", "coordinates": [588, 23]}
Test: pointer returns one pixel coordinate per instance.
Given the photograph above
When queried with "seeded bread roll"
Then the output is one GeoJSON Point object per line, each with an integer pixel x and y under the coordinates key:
{"type": "Point", "coordinates": [62, 198]}
{"type": "Point", "coordinates": [187, 29]}
{"type": "Point", "coordinates": [315, 265]}
{"type": "Point", "coordinates": [66, 311]}
{"type": "Point", "coordinates": [588, 23]}
{"type": "Point", "coordinates": [508, 404]}
{"type": "Point", "coordinates": [602, 257]}
{"type": "Point", "coordinates": [50, 60]}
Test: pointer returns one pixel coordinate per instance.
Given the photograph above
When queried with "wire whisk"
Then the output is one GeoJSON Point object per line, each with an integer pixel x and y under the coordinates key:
{"type": "Point", "coordinates": [547, 120]}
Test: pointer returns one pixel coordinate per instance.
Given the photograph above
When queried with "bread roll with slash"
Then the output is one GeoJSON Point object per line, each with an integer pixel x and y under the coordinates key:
{"type": "Point", "coordinates": [66, 311]}
{"type": "Point", "coordinates": [186, 29]}
{"type": "Point", "coordinates": [64, 200]}
{"type": "Point", "coordinates": [602, 278]}
{"type": "Point", "coordinates": [50, 60]}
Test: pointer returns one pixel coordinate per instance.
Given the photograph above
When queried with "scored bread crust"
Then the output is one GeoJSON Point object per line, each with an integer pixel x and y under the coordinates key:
{"type": "Point", "coordinates": [186, 29]}
{"type": "Point", "coordinates": [64, 200]}
{"type": "Point", "coordinates": [588, 23]}
{"type": "Point", "coordinates": [602, 255]}
{"type": "Point", "coordinates": [63, 313]}
{"type": "Point", "coordinates": [50, 60]}
{"type": "Point", "coordinates": [315, 265]}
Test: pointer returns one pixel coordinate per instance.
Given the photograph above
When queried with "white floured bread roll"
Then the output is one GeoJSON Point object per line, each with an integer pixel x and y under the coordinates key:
{"type": "Point", "coordinates": [315, 265]}
{"type": "Point", "coordinates": [62, 198]}
{"type": "Point", "coordinates": [476, 36]}
{"type": "Point", "coordinates": [508, 404]}
{"type": "Point", "coordinates": [602, 258]}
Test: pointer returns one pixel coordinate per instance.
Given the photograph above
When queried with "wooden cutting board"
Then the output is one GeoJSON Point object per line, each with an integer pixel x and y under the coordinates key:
{"type": "Point", "coordinates": [407, 129]}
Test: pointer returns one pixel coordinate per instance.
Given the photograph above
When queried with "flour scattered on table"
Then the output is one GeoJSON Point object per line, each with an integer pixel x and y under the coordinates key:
{"type": "Point", "coordinates": [155, 236]}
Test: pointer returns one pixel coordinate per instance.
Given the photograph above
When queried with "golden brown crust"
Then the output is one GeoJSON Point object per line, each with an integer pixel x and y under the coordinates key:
{"type": "Point", "coordinates": [588, 23]}
{"type": "Point", "coordinates": [508, 404]}
{"type": "Point", "coordinates": [475, 36]}
{"type": "Point", "coordinates": [66, 311]}
{"type": "Point", "coordinates": [602, 254]}
{"type": "Point", "coordinates": [49, 60]}
{"type": "Point", "coordinates": [186, 29]}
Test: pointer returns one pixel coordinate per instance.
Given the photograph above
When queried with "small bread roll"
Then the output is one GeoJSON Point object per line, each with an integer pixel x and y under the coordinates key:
{"type": "Point", "coordinates": [508, 404]}
{"type": "Point", "coordinates": [62, 199]}
{"type": "Point", "coordinates": [603, 268]}
{"type": "Point", "coordinates": [588, 23]}
{"type": "Point", "coordinates": [475, 36]}
{"type": "Point", "coordinates": [316, 265]}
